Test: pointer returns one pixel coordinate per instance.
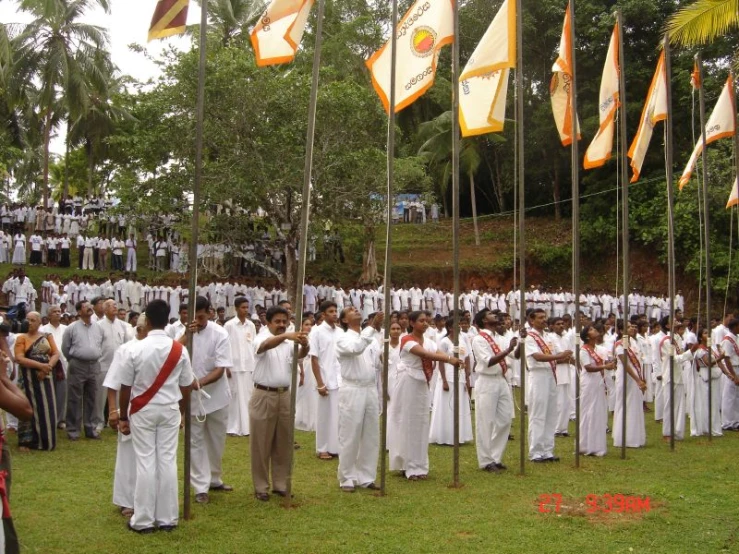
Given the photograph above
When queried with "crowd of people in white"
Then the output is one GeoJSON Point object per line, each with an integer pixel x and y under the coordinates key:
{"type": "Point", "coordinates": [242, 338]}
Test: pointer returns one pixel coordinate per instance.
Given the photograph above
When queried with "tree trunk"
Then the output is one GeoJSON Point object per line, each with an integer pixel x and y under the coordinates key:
{"type": "Point", "coordinates": [290, 269]}
{"type": "Point", "coordinates": [65, 190]}
{"type": "Point", "coordinates": [47, 140]}
{"type": "Point", "coordinates": [557, 193]}
{"type": "Point", "coordinates": [474, 209]}
{"type": "Point", "coordinates": [369, 259]}
{"type": "Point", "coordinates": [90, 167]}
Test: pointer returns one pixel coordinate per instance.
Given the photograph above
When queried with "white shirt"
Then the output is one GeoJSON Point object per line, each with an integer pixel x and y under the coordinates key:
{"type": "Point", "coordinates": [58, 334]}
{"type": "Point", "coordinates": [116, 333]}
{"type": "Point", "coordinates": [358, 355]}
{"type": "Point", "coordinates": [175, 330]}
{"type": "Point", "coordinates": [241, 336]}
{"type": "Point", "coordinates": [211, 349]}
{"type": "Point", "coordinates": [273, 367]}
{"type": "Point", "coordinates": [483, 352]}
{"type": "Point", "coordinates": [533, 348]}
{"type": "Point", "coordinates": [323, 339]}
{"type": "Point", "coordinates": [142, 362]}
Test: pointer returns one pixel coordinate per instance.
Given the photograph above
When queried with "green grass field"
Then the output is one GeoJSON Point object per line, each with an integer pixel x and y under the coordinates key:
{"type": "Point", "coordinates": [61, 503]}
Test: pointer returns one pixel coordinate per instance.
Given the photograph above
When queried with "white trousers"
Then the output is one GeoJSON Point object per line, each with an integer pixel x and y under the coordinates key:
{"type": "Point", "coordinates": [493, 412]}
{"type": "Point", "coordinates": [124, 479]}
{"type": "Point", "coordinates": [659, 400]}
{"type": "Point", "coordinates": [359, 434]}
{"type": "Point", "coordinates": [131, 260]}
{"type": "Point", "coordinates": [155, 431]}
{"type": "Point", "coordinates": [563, 408]}
{"type": "Point", "coordinates": [729, 403]}
{"type": "Point", "coordinates": [101, 395]}
{"type": "Point", "coordinates": [679, 396]}
{"type": "Point", "coordinates": [87, 259]}
{"type": "Point", "coordinates": [327, 423]}
{"type": "Point", "coordinates": [241, 385]}
{"type": "Point", "coordinates": [542, 413]}
{"type": "Point", "coordinates": [207, 441]}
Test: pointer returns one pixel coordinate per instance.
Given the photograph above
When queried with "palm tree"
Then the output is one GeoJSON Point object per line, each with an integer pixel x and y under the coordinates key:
{"type": "Point", "coordinates": [58, 47]}
{"type": "Point", "coordinates": [703, 21]}
{"type": "Point", "coordinates": [232, 17]}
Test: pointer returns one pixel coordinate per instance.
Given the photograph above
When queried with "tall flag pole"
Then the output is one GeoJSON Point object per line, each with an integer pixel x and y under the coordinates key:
{"type": "Point", "coordinates": [563, 91]}
{"type": "Point", "coordinates": [303, 240]}
{"type": "Point", "coordinates": [728, 92]}
{"type": "Point", "coordinates": [521, 229]}
{"type": "Point", "coordinates": [388, 243]}
{"type": "Point", "coordinates": [455, 229]}
{"type": "Point", "coordinates": [671, 285]}
{"type": "Point", "coordinates": [624, 214]}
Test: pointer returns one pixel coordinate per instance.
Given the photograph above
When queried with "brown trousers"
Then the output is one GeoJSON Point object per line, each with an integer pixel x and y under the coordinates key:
{"type": "Point", "coordinates": [269, 425]}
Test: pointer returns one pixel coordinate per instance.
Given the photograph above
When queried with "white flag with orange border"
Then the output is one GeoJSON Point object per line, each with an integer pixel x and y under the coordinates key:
{"type": "Point", "coordinates": [655, 110]}
{"type": "Point", "coordinates": [721, 124]}
{"type": "Point", "coordinates": [424, 30]}
{"type": "Point", "coordinates": [734, 196]}
{"type": "Point", "coordinates": [560, 87]}
{"type": "Point", "coordinates": [278, 33]}
{"type": "Point", "coordinates": [599, 151]}
{"type": "Point", "coordinates": [483, 84]}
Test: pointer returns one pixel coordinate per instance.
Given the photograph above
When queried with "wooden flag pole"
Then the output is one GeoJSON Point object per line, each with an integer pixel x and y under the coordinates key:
{"type": "Point", "coordinates": [521, 229]}
{"type": "Point", "coordinates": [706, 230]}
{"type": "Point", "coordinates": [455, 229]}
{"type": "Point", "coordinates": [388, 243]}
{"type": "Point", "coordinates": [193, 255]}
{"type": "Point", "coordinates": [625, 217]}
{"type": "Point", "coordinates": [303, 240]}
{"type": "Point", "coordinates": [575, 161]}
{"type": "Point", "coordinates": [670, 217]}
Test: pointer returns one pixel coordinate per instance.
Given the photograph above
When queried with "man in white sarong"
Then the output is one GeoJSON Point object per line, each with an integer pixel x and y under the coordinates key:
{"type": "Point", "coordinates": [241, 333]}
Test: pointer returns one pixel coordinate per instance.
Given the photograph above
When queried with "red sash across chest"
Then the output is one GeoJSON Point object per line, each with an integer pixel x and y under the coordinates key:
{"type": "Point", "coordinates": [633, 359]}
{"type": "Point", "coordinates": [428, 365]}
{"type": "Point", "coordinates": [544, 350]}
{"type": "Point", "coordinates": [496, 351]}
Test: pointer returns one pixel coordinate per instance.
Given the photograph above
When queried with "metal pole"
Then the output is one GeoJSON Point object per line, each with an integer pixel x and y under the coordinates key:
{"type": "Point", "coordinates": [670, 217]}
{"type": "Point", "coordinates": [624, 215]}
{"type": "Point", "coordinates": [575, 162]}
{"type": "Point", "coordinates": [706, 229]}
{"type": "Point", "coordinates": [455, 228]}
{"type": "Point", "coordinates": [388, 243]}
{"type": "Point", "coordinates": [193, 255]}
{"type": "Point", "coordinates": [303, 240]}
{"type": "Point", "coordinates": [521, 226]}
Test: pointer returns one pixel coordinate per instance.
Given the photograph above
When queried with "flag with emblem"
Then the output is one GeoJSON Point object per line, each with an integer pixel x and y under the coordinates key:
{"type": "Point", "coordinates": [424, 30]}
{"type": "Point", "coordinates": [655, 110]}
{"type": "Point", "coordinates": [721, 124]}
{"type": "Point", "coordinates": [599, 151]}
{"type": "Point", "coordinates": [560, 87]}
{"type": "Point", "coordinates": [170, 17]}
{"type": "Point", "coordinates": [483, 84]}
{"type": "Point", "coordinates": [278, 33]}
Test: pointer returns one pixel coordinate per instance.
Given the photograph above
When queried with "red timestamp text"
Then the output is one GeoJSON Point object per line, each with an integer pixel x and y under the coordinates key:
{"type": "Point", "coordinates": [605, 503]}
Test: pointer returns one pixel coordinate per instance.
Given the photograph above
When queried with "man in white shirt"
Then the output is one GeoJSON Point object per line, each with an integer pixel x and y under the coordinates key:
{"type": "Point", "coordinates": [36, 241]}
{"type": "Point", "coordinates": [542, 365]}
{"type": "Point", "coordinates": [131, 256]}
{"type": "Point", "coordinates": [559, 341]}
{"type": "Point", "coordinates": [115, 333]}
{"type": "Point", "coordinates": [359, 408]}
{"type": "Point", "coordinates": [211, 359]}
{"type": "Point", "coordinates": [675, 349]}
{"type": "Point", "coordinates": [176, 329]}
{"type": "Point", "coordinates": [241, 334]}
{"type": "Point", "coordinates": [309, 296]}
{"type": "Point", "coordinates": [154, 426]}
{"type": "Point", "coordinates": [56, 328]}
{"type": "Point", "coordinates": [325, 366]}
{"type": "Point", "coordinates": [270, 419]}
{"type": "Point", "coordinates": [493, 400]}
{"type": "Point", "coordinates": [730, 392]}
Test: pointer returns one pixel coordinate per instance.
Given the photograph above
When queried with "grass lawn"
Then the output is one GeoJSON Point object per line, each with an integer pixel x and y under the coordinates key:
{"type": "Point", "coordinates": [61, 503]}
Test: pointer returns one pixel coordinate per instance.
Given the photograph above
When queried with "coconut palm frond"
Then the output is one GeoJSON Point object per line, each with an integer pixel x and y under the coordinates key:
{"type": "Point", "coordinates": [703, 21]}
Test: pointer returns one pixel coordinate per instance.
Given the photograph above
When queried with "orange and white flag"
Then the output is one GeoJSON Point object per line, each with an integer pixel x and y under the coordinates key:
{"type": "Point", "coordinates": [721, 124]}
{"type": "Point", "coordinates": [277, 34]}
{"type": "Point", "coordinates": [560, 87]}
{"type": "Point", "coordinates": [695, 77]}
{"type": "Point", "coordinates": [483, 84]}
{"type": "Point", "coordinates": [424, 30]}
{"type": "Point", "coordinates": [655, 110]}
{"type": "Point", "coordinates": [599, 151]}
{"type": "Point", "coordinates": [734, 196]}
{"type": "Point", "coordinates": [170, 17]}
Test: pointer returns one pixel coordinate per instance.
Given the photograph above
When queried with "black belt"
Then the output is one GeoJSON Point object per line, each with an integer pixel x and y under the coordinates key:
{"type": "Point", "coordinates": [271, 389]}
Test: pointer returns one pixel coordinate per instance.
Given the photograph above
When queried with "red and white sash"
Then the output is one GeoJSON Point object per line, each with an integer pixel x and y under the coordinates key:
{"type": "Point", "coordinates": [733, 343]}
{"type": "Point", "coordinates": [428, 365]}
{"type": "Point", "coordinates": [633, 359]}
{"type": "Point", "coordinates": [496, 350]}
{"type": "Point", "coordinates": [678, 350]}
{"type": "Point", "coordinates": [169, 364]}
{"type": "Point", "coordinates": [544, 350]}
